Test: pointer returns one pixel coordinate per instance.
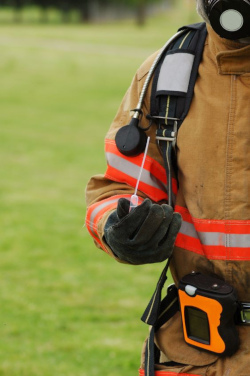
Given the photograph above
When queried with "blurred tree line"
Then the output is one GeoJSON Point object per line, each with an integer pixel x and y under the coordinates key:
{"type": "Point", "coordinates": [83, 7]}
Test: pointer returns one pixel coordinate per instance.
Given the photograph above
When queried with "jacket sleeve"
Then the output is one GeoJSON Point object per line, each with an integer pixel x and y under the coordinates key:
{"type": "Point", "coordinates": [119, 180]}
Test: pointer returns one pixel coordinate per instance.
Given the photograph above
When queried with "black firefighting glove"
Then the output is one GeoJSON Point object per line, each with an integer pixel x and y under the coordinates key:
{"type": "Point", "coordinates": [144, 235]}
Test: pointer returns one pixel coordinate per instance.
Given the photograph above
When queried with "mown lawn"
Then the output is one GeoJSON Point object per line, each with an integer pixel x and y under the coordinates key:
{"type": "Point", "coordinates": [66, 308]}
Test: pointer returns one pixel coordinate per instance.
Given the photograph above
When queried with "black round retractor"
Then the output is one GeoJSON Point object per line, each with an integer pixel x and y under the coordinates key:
{"type": "Point", "coordinates": [131, 140]}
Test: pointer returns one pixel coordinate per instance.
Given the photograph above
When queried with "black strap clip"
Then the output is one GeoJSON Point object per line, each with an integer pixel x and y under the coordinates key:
{"type": "Point", "coordinates": [168, 133]}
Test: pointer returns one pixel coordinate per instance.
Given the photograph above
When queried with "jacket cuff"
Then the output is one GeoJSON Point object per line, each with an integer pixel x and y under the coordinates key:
{"type": "Point", "coordinates": [97, 215]}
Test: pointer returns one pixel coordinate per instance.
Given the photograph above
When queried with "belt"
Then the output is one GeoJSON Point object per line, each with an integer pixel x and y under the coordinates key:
{"type": "Point", "coordinates": [243, 314]}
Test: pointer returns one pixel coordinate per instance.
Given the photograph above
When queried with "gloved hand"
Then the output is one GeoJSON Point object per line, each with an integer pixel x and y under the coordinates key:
{"type": "Point", "coordinates": [144, 235]}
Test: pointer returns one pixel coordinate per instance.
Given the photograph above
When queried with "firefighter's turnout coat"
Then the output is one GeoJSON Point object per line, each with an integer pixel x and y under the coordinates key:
{"type": "Point", "coordinates": [213, 157]}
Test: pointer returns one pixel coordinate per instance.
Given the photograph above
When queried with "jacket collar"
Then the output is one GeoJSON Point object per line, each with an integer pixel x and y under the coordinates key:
{"type": "Point", "coordinates": [231, 57]}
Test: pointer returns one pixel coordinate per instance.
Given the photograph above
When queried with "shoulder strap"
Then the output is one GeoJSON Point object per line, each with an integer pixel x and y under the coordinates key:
{"type": "Point", "coordinates": [172, 91]}
{"type": "Point", "coordinates": [175, 76]}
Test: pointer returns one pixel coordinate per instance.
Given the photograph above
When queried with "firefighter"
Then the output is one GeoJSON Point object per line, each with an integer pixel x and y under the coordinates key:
{"type": "Point", "coordinates": [208, 231]}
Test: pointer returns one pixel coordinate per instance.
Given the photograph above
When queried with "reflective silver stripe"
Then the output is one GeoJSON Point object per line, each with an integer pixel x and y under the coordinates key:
{"type": "Point", "coordinates": [212, 238]}
{"type": "Point", "coordinates": [216, 238]}
{"type": "Point", "coordinates": [96, 211]}
{"type": "Point", "coordinates": [227, 240]}
{"type": "Point", "coordinates": [239, 240]}
{"type": "Point", "coordinates": [188, 229]}
{"type": "Point", "coordinates": [133, 170]}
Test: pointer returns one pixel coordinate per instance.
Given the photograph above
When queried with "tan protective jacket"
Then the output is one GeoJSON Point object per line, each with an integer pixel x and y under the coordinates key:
{"type": "Point", "coordinates": [213, 158]}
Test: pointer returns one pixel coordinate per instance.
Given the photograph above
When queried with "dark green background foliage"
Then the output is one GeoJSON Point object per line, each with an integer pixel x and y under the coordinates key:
{"type": "Point", "coordinates": [86, 10]}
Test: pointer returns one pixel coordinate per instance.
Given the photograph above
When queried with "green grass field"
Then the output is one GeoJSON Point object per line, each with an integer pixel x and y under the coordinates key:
{"type": "Point", "coordinates": [66, 308]}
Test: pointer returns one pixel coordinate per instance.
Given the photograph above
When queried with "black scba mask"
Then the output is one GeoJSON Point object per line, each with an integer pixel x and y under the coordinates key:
{"type": "Point", "coordinates": [229, 18]}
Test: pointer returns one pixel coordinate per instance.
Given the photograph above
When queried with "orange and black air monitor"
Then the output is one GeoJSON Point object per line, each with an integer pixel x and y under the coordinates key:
{"type": "Point", "coordinates": [208, 306]}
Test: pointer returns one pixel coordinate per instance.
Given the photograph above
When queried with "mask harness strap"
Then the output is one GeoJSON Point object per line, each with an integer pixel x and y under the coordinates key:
{"type": "Point", "coordinates": [168, 109]}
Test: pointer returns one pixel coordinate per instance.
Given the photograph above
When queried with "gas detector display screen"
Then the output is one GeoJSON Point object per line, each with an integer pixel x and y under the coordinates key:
{"type": "Point", "coordinates": [197, 325]}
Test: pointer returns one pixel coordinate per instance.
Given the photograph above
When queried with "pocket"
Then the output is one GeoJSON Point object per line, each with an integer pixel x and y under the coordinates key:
{"type": "Point", "coordinates": [170, 341]}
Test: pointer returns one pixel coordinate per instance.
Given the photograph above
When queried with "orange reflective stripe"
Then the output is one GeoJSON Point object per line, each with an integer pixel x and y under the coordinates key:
{"type": "Point", "coordinates": [235, 227]}
{"type": "Point", "coordinates": [96, 211]}
{"type": "Point", "coordinates": [166, 373]}
{"type": "Point", "coordinates": [154, 193]}
{"type": "Point", "coordinates": [215, 239]}
{"type": "Point", "coordinates": [126, 170]}
{"type": "Point", "coordinates": [189, 243]}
